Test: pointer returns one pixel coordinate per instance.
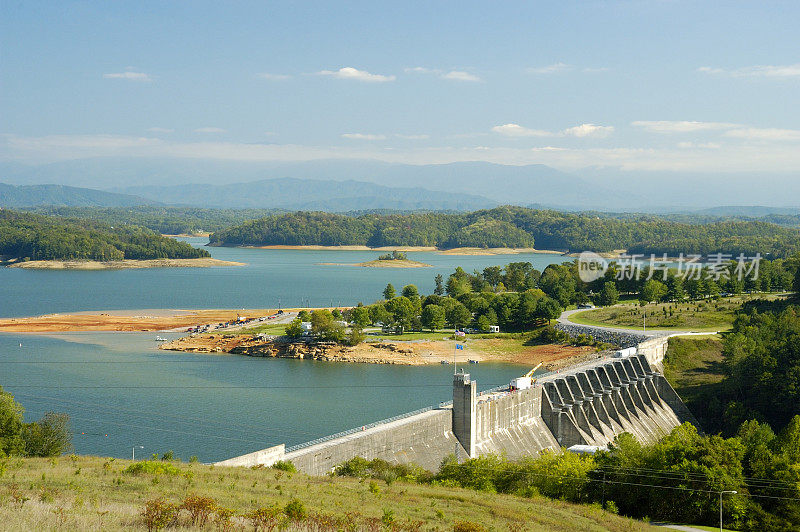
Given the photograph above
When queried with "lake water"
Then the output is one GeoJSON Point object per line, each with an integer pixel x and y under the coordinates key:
{"type": "Point", "coordinates": [120, 390]}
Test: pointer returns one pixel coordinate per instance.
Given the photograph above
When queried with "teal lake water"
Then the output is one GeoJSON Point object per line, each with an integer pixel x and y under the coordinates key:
{"type": "Point", "coordinates": [120, 390]}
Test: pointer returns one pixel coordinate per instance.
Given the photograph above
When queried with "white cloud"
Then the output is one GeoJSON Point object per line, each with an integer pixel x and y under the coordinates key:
{"type": "Point", "coordinates": [588, 130]}
{"type": "Point", "coordinates": [355, 74]}
{"type": "Point", "coordinates": [734, 157]}
{"type": "Point", "coordinates": [681, 126]}
{"type": "Point", "coordinates": [516, 130]}
{"type": "Point", "coordinates": [412, 137]}
{"type": "Point", "coordinates": [363, 136]}
{"type": "Point", "coordinates": [421, 70]}
{"type": "Point", "coordinates": [160, 130]}
{"type": "Point", "coordinates": [273, 77]}
{"type": "Point", "coordinates": [752, 133]}
{"type": "Point", "coordinates": [209, 129]}
{"type": "Point", "coordinates": [129, 75]}
{"type": "Point", "coordinates": [756, 71]}
{"type": "Point", "coordinates": [703, 145]}
{"type": "Point", "coordinates": [551, 69]}
{"type": "Point", "coordinates": [460, 75]}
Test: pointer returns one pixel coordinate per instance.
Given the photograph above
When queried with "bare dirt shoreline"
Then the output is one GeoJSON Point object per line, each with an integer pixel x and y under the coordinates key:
{"type": "Point", "coordinates": [387, 351]}
{"type": "Point", "coordinates": [129, 320]}
{"type": "Point", "coordinates": [205, 262]}
{"type": "Point", "coordinates": [452, 251]}
{"type": "Point", "coordinates": [381, 264]}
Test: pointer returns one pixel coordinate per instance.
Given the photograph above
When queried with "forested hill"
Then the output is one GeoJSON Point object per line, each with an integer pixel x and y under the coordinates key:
{"type": "Point", "coordinates": [35, 237]}
{"type": "Point", "coordinates": [515, 227]}
{"type": "Point", "coordinates": [36, 195]}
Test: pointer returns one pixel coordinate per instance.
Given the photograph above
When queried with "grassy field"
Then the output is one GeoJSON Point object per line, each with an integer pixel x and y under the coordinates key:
{"type": "Point", "coordinates": [693, 366]}
{"type": "Point", "coordinates": [91, 493]}
{"type": "Point", "coordinates": [696, 316]}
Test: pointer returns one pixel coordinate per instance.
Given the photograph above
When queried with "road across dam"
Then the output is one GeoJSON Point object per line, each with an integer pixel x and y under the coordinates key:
{"type": "Point", "coordinates": [589, 404]}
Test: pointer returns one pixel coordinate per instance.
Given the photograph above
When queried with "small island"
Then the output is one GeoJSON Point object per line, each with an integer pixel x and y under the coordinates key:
{"type": "Point", "coordinates": [395, 259]}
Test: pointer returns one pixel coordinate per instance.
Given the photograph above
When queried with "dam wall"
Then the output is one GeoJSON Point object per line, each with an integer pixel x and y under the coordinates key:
{"type": "Point", "coordinates": [590, 404]}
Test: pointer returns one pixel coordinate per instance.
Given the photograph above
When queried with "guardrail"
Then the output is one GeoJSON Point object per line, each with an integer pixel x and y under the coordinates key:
{"type": "Point", "coordinates": [360, 429]}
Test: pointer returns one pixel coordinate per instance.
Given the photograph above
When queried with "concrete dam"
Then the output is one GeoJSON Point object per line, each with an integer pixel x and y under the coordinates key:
{"type": "Point", "coordinates": [589, 404]}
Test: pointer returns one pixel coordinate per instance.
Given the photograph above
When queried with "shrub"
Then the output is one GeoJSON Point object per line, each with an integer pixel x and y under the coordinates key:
{"type": "Point", "coordinates": [285, 465]}
{"type": "Point", "coordinates": [159, 514]}
{"type": "Point", "coordinates": [199, 508]}
{"type": "Point", "coordinates": [468, 526]}
{"type": "Point", "coordinates": [152, 467]}
{"type": "Point", "coordinates": [265, 518]}
{"type": "Point", "coordinates": [295, 510]}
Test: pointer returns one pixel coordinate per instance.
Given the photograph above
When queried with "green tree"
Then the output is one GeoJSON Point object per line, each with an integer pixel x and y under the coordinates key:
{"type": "Point", "coordinates": [652, 290]}
{"type": "Point", "coordinates": [433, 317]}
{"type": "Point", "coordinates": [11, 424]}
{"type": "Point", "coordinates": [50, 436]}
{"type": "Point", "coordinates": [439, 290]}
{"type": "Point", "coordinates": [360, 316]}
{"type": "Point", "coordinates": [389, 292]}
{"type": "Point", "coordinates": [458, 315]}
{"type": "Point", "coordinates": [294, 329]}
{"type": "Point", "coordinates": [608, 295]}
{"type": "Point", "coordinates": [401, 309]}
{"type": "Point", "coordinates": [410, 291]}
{"type": "Point", "coordinates": [321, 320]}
{"type": "Point", "coordinates": [675, 288]}
{"type": "Point", "coordinates": [379, 314]}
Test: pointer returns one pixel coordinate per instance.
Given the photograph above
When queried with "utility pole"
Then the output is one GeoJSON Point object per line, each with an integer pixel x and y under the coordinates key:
{"type": "Point", "coordinates": [133, 451]}
{"type": "Point", "coordinates": [720, 505]}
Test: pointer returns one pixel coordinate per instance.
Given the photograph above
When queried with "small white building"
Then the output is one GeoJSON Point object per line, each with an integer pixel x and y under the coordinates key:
{"type": "Point", "coordinates": [306, 326]}
{"type": "Point", "coordinates": [494, 328]}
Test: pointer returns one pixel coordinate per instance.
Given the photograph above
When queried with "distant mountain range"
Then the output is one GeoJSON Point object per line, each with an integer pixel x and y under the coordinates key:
{"type": "Point", "coordinates": [60, 195]}
{"type": "Point", "coordinates": [310, 195]}
{"type": "Point", "coordinates": [463, 185]}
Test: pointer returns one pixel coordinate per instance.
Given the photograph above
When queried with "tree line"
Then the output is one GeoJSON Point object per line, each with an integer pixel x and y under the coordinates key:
{"type": "Point", "coordinates": [25, 236]}
{"type": "Point", "coordinates": [50, 436]}
{"type": "Point", "coordinates": [516, 227]}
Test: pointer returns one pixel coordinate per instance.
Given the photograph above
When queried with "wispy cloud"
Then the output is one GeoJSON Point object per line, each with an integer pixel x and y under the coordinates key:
{"type": "Point", "coordinates": [160, 130]}
{"type": "Point", "coordinates": [756, 71]}
{"type": "Point", "coordinates": [516, 130]}
{"type": "Point", "coordinates": [681, 126]}
{"type": "Point", "coordinates": [273, 77]}
{"type": "Point", "coordinates": [752, 133]}
{"type": "Point", "coordinates": [209, 129]}
{"type": "Point", "coordinates": [588, 130]}
{"type": "Point", "coordinates": [734, 157]}
{"type": "Point", "coordinates": [129, 75]}
{"type": "Point", "coordinates": [357, 75]}
{"type": "Point", "coordinates": [412, 137]}
{"type": "Point", "coordinates": [452, 75]}
{"type": "Point", "coordinates": [551, 69]}
{"type": "Point", "coordinates": [583, 130]}
{"type": "Point", "coordinates": [363, 136]}
{"type": "Point", "coordinates": [460, 75]}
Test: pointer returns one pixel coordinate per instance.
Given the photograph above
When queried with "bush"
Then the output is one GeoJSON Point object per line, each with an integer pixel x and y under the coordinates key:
{"type": "Point", "coordinates": [159, 514]}
{"type": "Point", "coordinates": [49, 436]}
{"type": "Point", "coordinates": [285, 465]}
{"type": "Point", "coordinates": [265, 518]}
{"type": "Point", "coordinates": [295, 510]}
{"type": "Point", "coordinates": [153, 468]}
{"type": "Point", "coordinates": [468, 526]}
{"type": "Point", "coordinates": [199, 508]}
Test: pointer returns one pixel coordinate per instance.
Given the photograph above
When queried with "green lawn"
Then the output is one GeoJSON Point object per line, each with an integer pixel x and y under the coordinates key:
{"type": "Point", "coordinates": [693, 366]}
{"type": "Point", "coordinates": [695, 316]}
{"type": "Point", "coordinates": [92, 493]}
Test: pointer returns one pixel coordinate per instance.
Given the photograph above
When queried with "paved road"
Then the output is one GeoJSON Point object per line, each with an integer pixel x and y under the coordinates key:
{"type": "Point", "coordinates": [685, 528]}
{"type": "Point", "coordinates": [564, 319]}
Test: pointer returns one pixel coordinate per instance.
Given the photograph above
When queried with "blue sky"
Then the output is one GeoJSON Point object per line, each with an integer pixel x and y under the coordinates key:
{"type": "Point", "coordinates": [638, 85]}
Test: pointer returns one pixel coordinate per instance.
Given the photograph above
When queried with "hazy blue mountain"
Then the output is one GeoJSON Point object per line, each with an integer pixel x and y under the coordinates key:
{"type": "Point", "coordinates": [752, 211]}
{"type": "Point", "coordinates": [310, 194]}
{"type": "Point", "coordinates": [37, 195]}
{"type": "Point", "coordinates": [519, 185]}
{"type": "Point", "coordinates": [591, 188]}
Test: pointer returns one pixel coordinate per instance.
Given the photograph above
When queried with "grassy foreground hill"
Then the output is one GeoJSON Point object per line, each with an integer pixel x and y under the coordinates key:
{"type": "Point", "coordinates": [92, 493]}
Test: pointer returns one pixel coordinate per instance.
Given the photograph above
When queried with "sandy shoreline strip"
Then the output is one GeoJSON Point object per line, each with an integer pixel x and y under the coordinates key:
{"type": "Point", "coordinates": [205, 262]}
{"type": "Point", "coordinates": [125, 320]}
{"type": "Point", "coordinates": [453, 251]}
{"type": "Point", "coordinates": [380, 264]}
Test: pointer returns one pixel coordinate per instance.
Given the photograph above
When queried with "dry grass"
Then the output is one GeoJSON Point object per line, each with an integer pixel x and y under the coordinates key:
{"type": "Point", "coordinates": [91, 493]}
